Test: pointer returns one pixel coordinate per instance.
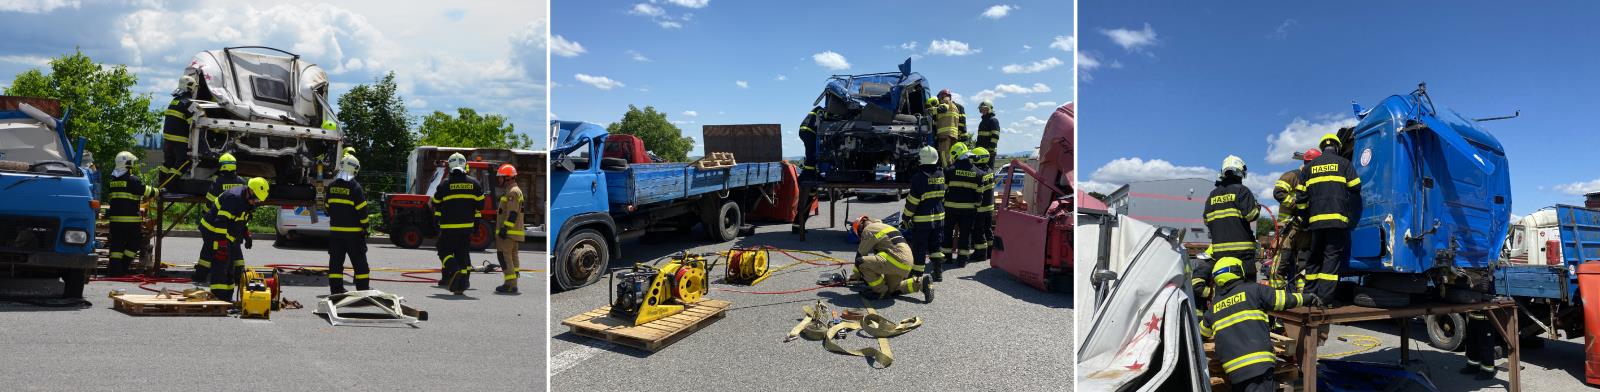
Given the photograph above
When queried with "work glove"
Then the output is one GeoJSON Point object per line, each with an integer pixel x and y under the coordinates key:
{"type": "Point", "coordinates": [502, 233]}
{"type": "Point", "coordinates": [248, 242]}
{"type": "Point", "coordinates": [858, 261]}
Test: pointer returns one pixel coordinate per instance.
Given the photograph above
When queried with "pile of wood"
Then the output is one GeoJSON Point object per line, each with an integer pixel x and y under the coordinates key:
{"type": "Point", "coordinates": [716, 160]}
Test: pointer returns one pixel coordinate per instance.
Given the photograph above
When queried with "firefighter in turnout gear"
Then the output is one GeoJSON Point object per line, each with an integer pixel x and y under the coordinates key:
{"type": "Point", "coordinates": [1326, 200]}
{"type": "Point", "coordinates": [1237, 323]}
{"type": "Point", "coordinates": [177, 120]}
{"type": "Point", "coordinates": [983, 220]}
{"type": "Point", "coordinates": [924, 214]}
{"type": "Point", "coordinates": [963, 183]}
{"type": "Point", "coordinates": [988, 128]}
{"type": "Point", "coordinates": [808, 168]}
{"type": "Point", "coordinates": [227, 178]}
{"type": "Point", "coordinates": [347, 222]}
{"type": "Point", "coordinates": [457, 205]}
{"type": "Point", "coordinates": [508, 232]}
{"type": "Point", "coordinates": [944, 116]}
{"type": "Point", "coordinates": [1480, 342]}
{"type": "Point", "coordinates": [883, 261]}
{"type": "Point", "coordinates": [125, 193]}
{"type": "Point", "coordinates": [1230, 217]}
{"type": "Point", "coordinates": [225, 231]}
{"type": "Point", "coordinates": [961, 117]}
{"type": "Point", "coordinates": [1288, 259]}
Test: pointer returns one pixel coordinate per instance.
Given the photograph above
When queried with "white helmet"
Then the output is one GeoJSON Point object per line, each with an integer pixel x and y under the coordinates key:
{"type": "Point", "coordinates": [928, 156]}
{"type": "Point", "coordinates": [126, 160]}
{"type": "Point", "coordinates": [348, 166]}
{"type": "Point", "coordinates": [457, 163]}
{"type": "Point", "coordinates": [1234, 164]}
{"type": "Point", "coordinates": [186, 84]}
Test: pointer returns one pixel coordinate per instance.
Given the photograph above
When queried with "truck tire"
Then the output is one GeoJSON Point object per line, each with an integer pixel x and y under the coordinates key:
{"type": "Point", "coordinates": [722, 224]}
{"type": "Point", "coordinates": [1446, 331]}
{"type": "Point", "coordinates": [481, 236]}
{"type": "Point", "coordinates": [409, 237]}
{"type": "Point", "coordinates": [72, 281]}
{"type": "Point", "coordinates": [1380, 298]}
{"type": "Point", "coordinates": [584, 257]}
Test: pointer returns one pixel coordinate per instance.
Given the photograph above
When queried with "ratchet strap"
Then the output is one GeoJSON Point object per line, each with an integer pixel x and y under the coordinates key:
{"type": "Point", "coordinates": [818, 325]}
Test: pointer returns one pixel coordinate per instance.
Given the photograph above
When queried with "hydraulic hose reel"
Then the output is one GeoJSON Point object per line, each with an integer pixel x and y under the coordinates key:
{"type": "Point", "coordinates": [747, 266]}
{"type": "Point", "coordinates": [645, 293]}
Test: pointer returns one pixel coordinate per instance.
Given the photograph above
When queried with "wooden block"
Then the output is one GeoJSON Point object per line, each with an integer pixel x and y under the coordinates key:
{"type": "Point", "coordinates": [651, 336]}
{"type": "Point", "coordinates": [154, 305]}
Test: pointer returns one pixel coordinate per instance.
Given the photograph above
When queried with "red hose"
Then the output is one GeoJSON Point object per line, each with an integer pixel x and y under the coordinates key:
{"type": "Point", "coordinates": [144, 281]}
{"type": "Point", "coordinates": [412, 278]}
{"type": "Point", "coordinates": [780, 292]}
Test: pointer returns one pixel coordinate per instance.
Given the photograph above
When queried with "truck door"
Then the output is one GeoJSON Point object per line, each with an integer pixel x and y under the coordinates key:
{"type": "Point", "coordinates": [577, 191]}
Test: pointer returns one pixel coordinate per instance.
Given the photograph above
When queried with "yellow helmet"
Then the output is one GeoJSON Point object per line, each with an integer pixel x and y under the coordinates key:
{"type": "Point", "coordinates": [227, 163]}
{"type": "Point", "coordinates": [980, 155]}
{"type": "Point", "coordinates": [258, 186]}
{"type": "Point", "coordinates": [957, 150]}
{"type": "Point", "coordinates": [1226, 270]}
{"type": "Point", "coordinates": [933, 101]}
{"type": "Point", "coordinates": [1327, 139]}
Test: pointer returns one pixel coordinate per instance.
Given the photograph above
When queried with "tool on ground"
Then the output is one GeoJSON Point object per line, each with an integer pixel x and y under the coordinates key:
{"type": "Point", "coordinates": [648, 293]}
{"type": "Point", "coordinates": [747, 266]}
{"type": "Point", "coordinates": [260, 294]}
{"type": "Point", "coordinates": [820, 324]}
{"type": "Point", "coordinates": [391, 309]}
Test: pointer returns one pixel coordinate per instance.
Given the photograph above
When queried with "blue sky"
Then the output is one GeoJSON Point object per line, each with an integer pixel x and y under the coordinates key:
{"type": "Point", "coordinates": [487, 55]}
{"type": "Point", "coordinates": [728, 62]}
{"type": "Point", "coordinates": [1176, 86]}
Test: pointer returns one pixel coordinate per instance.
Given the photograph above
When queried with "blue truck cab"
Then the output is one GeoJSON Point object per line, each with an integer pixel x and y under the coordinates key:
{"type": "Point", "coordinates": [596, 200]}
{"type": "Point", "coordinates": [1435, 197]}
{"type": "Point", "coordinates": [47, 221]}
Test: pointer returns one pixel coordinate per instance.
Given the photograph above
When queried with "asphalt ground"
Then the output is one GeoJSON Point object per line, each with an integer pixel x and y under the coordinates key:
{"type": "Point", "coordinates": [984, 331]}
{"type": "Point", "coordinates": [1555, 367]}
{"type": "Point", "coordinates": [481, 342]}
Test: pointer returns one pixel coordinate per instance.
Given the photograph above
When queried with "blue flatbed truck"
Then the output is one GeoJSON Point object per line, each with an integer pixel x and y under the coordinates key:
{"type": "Point", "coordinates": [47, 220]}
{"type": "Point", "coordinates": [1550, 295]}
{"type": "Point", "coordinates": [597, 201]}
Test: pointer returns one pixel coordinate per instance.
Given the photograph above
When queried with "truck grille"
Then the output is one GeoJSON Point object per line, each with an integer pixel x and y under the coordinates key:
{"type": "Point", "coordinates": [28, 233]}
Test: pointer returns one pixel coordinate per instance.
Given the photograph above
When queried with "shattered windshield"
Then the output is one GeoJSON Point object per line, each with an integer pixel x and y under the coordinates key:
{"type": "Point", "coordinates": [25, 140]}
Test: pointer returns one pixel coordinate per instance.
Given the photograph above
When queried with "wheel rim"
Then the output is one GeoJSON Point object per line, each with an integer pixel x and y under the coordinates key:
{"type": "Point", "coordinates": [413, 238]}
{"type": "Point", "coordinates": [583, 261]}
{"type": "Point", "coordinates": [729, 219]}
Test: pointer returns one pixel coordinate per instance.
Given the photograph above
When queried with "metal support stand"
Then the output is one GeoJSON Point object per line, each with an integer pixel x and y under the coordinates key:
{"type": "Point", "coordinates": [837, 191]}
{"type": "Point", "coordinates": [163, 227]}
{"type": "Point", "coordinates": [1303, 324]}
{"type": "Point", "coordinates": [391, 308]}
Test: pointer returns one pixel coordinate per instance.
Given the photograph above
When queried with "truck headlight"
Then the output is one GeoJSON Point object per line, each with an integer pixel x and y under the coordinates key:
{"type": "Point", "coordinates": [75, 237]}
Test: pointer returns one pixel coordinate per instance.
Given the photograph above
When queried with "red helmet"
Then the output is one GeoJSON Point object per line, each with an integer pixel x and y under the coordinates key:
{"type": "Point", "coordinates": [1312, 154]}
{"type": "Point", "coordinates": [860, 223]}
{"type": "Point", "coordinates": [506, 170]}
{"type": "Point", "coordinates": [944, 93]}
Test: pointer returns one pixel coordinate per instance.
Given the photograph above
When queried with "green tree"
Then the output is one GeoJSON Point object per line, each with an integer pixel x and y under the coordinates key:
{"type": "Point", "coordinates": [470, 129]}
{"type": "Point", "coordinates": [99, 99]}
{"type": "Point", "coordinates": [659, 135]}
{"type": "Point", "coordinates": [376, 123]}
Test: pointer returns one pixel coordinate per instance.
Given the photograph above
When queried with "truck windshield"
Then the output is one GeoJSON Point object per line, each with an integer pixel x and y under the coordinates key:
{"type": "Point", "coordinates": [25, 140]}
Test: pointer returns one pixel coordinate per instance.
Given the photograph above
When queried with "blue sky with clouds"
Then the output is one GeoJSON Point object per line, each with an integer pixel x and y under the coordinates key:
{"type": "Point", "coordinates": [487, 55]}
{"type": "Point", "coordinates": [1170, 88]}
{"type": "Point", "coordinates": [742, 62]}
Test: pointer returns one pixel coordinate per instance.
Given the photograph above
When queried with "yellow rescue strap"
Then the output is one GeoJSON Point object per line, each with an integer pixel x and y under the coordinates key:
{"type": "Point", "coordinates": [815, 326]}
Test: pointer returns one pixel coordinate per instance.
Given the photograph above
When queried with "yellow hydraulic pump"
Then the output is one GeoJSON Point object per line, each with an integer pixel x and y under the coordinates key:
{"type": "Point", "coordinates": [746, 266]}
{"type": "Point", "coordinates": [258, 295]}
{"type": "Point", "coordinates": [647, 293]}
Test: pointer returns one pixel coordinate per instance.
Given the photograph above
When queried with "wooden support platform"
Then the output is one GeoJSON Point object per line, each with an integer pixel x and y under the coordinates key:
{"type": "Point", "coordinates": [652, 336]}
{"type": "Point", "coordinates": [162, 227]}
{"type": "Point", "coordinates": [1302, 324]}
{"type": "Point", "coordinates": [157, 305]}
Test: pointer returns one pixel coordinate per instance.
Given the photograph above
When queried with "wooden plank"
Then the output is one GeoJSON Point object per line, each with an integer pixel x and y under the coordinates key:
{"type": "Point", "coordinates": [152, 305]}
{"type": "Point", "coordinates": [652, 336]}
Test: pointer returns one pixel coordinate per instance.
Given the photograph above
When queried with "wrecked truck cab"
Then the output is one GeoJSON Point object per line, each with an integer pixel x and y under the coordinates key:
{"type": "Point", "coordinates": [270, 109]}
{"type": "Point", "coordinates": [872, 119]}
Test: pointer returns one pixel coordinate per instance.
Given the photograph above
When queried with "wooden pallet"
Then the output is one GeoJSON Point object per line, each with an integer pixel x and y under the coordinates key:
{"type": "Point", "coordinates": [651, 336]}
{"type": "Point", "coordinates": [155, 305]}
{"type": "Point", "coordinates": [716, 160]}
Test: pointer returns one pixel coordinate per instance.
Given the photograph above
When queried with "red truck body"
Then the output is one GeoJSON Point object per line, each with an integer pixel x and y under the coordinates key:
{"type": "Point", "coordinates": [409, 219]}
{"type": "Point", "coordinates": [1035, 243]}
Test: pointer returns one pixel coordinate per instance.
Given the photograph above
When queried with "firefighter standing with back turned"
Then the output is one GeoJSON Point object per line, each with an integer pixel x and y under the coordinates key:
{"type": "Point", "coordinates": [1237, 321]}
{"type": "Point", "coordinates": [808, 168]}
{"type": "Point", "coordinates": [176, 122]}
{"type": "Point", "coordinates": [1326, 200]}
{"type": "Point", "coordinates": [962, 181]}
{"type": "Point", "coordinates": [924, 214]}
{"type": "Point", "coordinates": [227, 224]}
{"type": "Point", "coordinates": [983, 219]}
{"type": "Point", "coordinates": [508, 232]}
{"type": "Point", "coordinates": [227, 177]}
{"type": "Point", "coordinates": [882, 261]}
{"type": "Point", "coordinates": [125, 193]}
{"type": "Point", "coordinates": [347, 220]}
{"type": "Point", "coordinates": [1230, 217]}
{"type": "Point", "coordinates": [944, 115]}
{"type": "Point", "coordinates": [1286, 256]}
{"type": "Point", "coordinates": [456, 203]}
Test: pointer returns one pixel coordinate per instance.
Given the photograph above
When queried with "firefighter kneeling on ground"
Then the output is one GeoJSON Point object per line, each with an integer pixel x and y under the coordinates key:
{"type": "Point", "coordinates": [125, 193]}
{"type": "Point", "coordinates": [1237, 322]}
{"type": "Point", "coordinates": [924, 214]}
{"type": "Point", "coordinates": [509, 234]}
{"type": "Point", "coordinates": [226, 228]}
{"type": "Point", "coordinates": [347, 219]}
{"type": "Point", "coordinates": [457, 203]}
{"type": "Point", "coordinates": [883, 261]}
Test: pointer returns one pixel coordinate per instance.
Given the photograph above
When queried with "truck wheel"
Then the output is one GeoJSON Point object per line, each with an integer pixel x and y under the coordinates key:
{"type": "Point", "coordinates": [72, 283]}
{"type": "Point", "coordinates": [724, 224]}
{"type": "Point", "coordinates": [1380, 298]}
{"type": "Point", "coordinates": [409, 237]}
{"type": "Point", "coordinates": [481, 239]}
{"type": "Point", "coordinates": [584, 258]}
{"type": "Point", "coordinates": [1446, 331]}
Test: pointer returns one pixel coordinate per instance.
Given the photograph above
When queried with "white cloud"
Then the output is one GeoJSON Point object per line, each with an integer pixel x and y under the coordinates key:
{"type": "Point", "coordinates": [999, 11]}
{"type": "Point", "coordinates": [1579, 188]}
{"type": "Point", "coordinates": [1040, 104]}
{"type": "Point", "coordinates": [29, 60]}
{"type": "Point", "coordinates": [950, 47]}
{"type": "Point", "coordinates": [1282, 32]}
{"type": "Point", "coordinates": [782, 78]}
{"type": "Point", "coordinates": [1065, 43]}
{"type": "Point", "coordinates": [1029, 122]}
{"type": "Point", "coordinates": [667, 24]}
{"type": "Point", "coordinates": [1026, 48]}
{"type": "Point", "coordinates": [647, 10]}
{"type": "Point", "coordinates": [36, 6]}
{"type": "Point", "coordinates": [909, 46]}
{"type": "Point", "coordinates": [1037, 88]}
{"type": "Point", "coordinates": [1122, 171]}
{"type": "Point", "coordinates": [690, 3]}
{"type": "Point", "coordinates": [560, 46]}
{"type": "Point", "coordinates": [691, 113]}
{"type": "Point", "coordinates": [599, 82]}
{"type": "Point", "coordinates": [1087, 61]}
{"type": "Point", "coordinates": [1132, 40]}
{"type": "Point", "coordinates": [1037, 66]}
{"type": "Point", "coordinates": [636, 56]}
{"type": "Point", "coordinates": [741, 84]}
{"type": "Point", "coordinates": [831, 60]}
{"type": "Point", "coordinates": [1301, 135]}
